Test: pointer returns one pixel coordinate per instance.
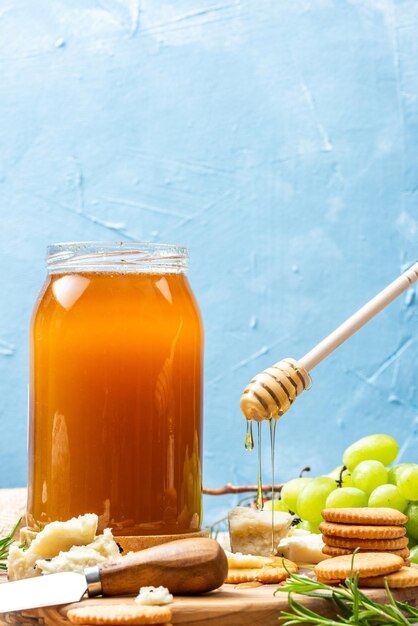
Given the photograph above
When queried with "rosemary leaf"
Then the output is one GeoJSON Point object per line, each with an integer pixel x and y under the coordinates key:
{"type": "Point", "coordinates": [5, 543]}
{"type": "Point", "coordinates": [353, 606]}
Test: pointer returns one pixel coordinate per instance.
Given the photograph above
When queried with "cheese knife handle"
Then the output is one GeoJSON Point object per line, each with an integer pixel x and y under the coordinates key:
{"type": "Point", "coordinates": [186, 566]}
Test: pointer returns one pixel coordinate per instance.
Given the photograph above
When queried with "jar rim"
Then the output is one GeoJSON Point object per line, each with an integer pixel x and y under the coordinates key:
{"type": "Point", "coordinates": [116, 256]}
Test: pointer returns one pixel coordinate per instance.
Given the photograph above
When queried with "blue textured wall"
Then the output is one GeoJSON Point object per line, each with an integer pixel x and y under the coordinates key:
{"type": "Point", "coordinates": [278, 140]}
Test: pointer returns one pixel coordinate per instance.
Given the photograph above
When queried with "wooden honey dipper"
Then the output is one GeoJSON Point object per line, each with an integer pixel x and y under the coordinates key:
{"type": "Point", "coordinates": [271, 392]}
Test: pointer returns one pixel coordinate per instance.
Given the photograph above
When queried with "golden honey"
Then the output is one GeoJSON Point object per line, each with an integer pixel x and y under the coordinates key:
{"type": "Point", "coordinates": [115, 406]}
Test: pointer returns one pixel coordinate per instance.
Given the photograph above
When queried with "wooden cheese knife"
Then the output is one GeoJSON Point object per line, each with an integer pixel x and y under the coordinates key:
{"type": "Point", "coordinates": [186, 566]}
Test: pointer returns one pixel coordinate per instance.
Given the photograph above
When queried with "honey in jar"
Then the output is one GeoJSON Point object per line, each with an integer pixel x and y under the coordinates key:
{"type": "Point", "coordinates": [115, 403]}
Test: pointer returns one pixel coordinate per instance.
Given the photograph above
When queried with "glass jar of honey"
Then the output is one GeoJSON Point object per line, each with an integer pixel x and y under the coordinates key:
{"type": "Point", "coordinates": [115, 395]}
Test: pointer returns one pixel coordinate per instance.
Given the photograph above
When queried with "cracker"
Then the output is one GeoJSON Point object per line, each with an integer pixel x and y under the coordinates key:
{"type": "Point", "coordinates": [405, 577]}
{"type": "Point", "coordinates": [365, 563]}
{"type": "Point", "coordinates": [330, 581]}
{"type": "Point", "coordinates": [362, 531]}
{"type": "Point", "coordinates": [241, 575]}
{"type": "Point", "coordinates": [120, 614]}
{"type": "Point", "coordinates": [332, 551]}
{"type": "Point", "coordinates": [384, 545]}
{"type": "Point", "coordinates": [247, 561]}
{"type": "Point", "coordinates": [264, 575]}
{"type": "Point", "coordinates": [274, 574]}
{"type": "Point", "coordinates": [380, 516]}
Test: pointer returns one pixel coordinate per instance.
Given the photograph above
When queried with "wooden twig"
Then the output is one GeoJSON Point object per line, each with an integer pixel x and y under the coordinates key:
{"type": "Point", "coordinates": [229, 488]}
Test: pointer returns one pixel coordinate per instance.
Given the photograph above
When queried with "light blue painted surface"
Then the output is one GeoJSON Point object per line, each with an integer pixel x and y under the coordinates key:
{"type": "Point", "coordinates": [278, 140]}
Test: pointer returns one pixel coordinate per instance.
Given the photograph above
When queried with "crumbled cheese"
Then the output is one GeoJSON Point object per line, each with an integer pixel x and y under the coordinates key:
{"type": "Point", "coordinates": [303, 548]}
{"type": "Point", "coordinates": [250, 529]}
{"type": "Point", "coordinates": [154, 596]}
{"type": "Point", "coordinates": [103, 548]}
{"type": "Point", "coordinates": [56, 541]}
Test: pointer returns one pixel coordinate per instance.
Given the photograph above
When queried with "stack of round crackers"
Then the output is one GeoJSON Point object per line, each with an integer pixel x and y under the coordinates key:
{"type": "Point", "coordinates": [379, 534]}
{"type": "Point", "coordinates": [369, 529]}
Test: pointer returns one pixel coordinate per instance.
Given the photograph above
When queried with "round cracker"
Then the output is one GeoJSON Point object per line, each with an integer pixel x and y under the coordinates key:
{"type": "Point", "coordinates": [120, 614]}
{"type": "Point", "coordinates": [403, 578]}
{"type": "Point", "coordinates": [384, 545]}
{"type": "Point", "coordinates": [247, 561]}
{"type": "Point", "coordinates": [379, 516]}
{"type": "Point", "coordinates": [366, 564]}
{"type": "Point", "coordinates": [332, 551]}
{"type": "Point", "coordinates": [264, 575]}
{"type": "Point", "coordinates": [361, 531]}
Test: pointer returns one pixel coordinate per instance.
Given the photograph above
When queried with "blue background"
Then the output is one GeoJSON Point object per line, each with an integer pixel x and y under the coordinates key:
{"type": "Point", "coordinates": [275, 138]}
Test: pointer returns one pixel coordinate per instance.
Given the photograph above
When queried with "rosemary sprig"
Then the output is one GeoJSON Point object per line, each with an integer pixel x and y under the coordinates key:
{"type": "Point", "coordinates": [351, 604]}
{"type": "Point", "coordinates": [5, 544]}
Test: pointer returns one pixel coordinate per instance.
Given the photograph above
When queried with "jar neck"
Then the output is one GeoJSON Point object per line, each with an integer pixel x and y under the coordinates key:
{"type": "Point", "coordinates": [121, 256]}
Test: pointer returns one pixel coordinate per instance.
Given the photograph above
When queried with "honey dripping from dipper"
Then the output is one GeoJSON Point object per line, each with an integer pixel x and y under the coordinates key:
{"type": "Point", "coordinates": [249, 445]}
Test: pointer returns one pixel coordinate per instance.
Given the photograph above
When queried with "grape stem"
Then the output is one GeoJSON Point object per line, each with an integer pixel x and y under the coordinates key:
{"type": "Point", "coordinates": [305, 469]}
{"type": "Point", "coordinates": [339, 481]}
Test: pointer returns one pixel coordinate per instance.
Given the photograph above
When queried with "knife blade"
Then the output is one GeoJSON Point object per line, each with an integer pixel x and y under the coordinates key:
{"type": "Point", "coordinates": [185, 566]}
{"type": "Point", "coordinates": [42, 591]}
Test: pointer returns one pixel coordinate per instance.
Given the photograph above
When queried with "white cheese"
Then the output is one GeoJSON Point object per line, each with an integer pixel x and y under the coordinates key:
{"type": "Point", "coordinates": [103, 548]}
{"type": "Point", "coordinates": [306, 548]}
{"type": "Point", "coordinates": [60, 536]}
{"type": "Point", "coordinates": [250, 530]}
{"type": "Point", "coordinates": [56, 537]}
{"type": "Point", "coordinates": [21, 564]}
{"type": "Point", "coordinates": [154, 596]}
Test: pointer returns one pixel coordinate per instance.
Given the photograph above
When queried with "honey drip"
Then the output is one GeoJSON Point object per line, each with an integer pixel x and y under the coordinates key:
{"type": "Point", "coordinates": [260, 500]}
{"type": "Point", "coordinates": [272, 424]}
{"type": "Point", "coordinates": [249, 445]}
{"type": "Point", "coordinates": [249, 439]}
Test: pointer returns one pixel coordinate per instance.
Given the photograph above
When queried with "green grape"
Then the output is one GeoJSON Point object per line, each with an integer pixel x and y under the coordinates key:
{"type": "Point", "coordinates": [304, 525]}
{"type": "Point", "coordinates": [395, 471]}
{"type": "Point", "coordinates": [413, 556]}
{"type": "Point", "coordinates": [411, 541]}
{"type": "Point", "coordinates": [368, 475]}
{"type": "Point", "coordinates": [412, 523]}
{"type": "Point", "coordinates": [346, 497]}
{"type": "Point", "coordinates": [381, 448]}
{"type": "Point", "coordinates": [312, 527]}
{"type": "Point", "coordinates": [312, 499]}
{"type": "Point", "coordinates": [346, 476]}
{"type": "Point", "coordinates": [389, 496]}
{"type": "Point", "coordinates": [277, 505]}
{"type": "Point", "coordinates": [408, 482]}
{"type": "Point", "coordinates": [291, 490]}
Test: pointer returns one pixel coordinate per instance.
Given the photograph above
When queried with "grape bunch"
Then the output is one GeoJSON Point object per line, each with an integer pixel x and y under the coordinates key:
{"type": "Point", "coordinates": [364, 480]}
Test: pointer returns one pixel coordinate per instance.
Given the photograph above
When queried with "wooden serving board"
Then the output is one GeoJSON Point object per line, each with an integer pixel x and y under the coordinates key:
{"type": "Point", "coordinates": [231, 605]}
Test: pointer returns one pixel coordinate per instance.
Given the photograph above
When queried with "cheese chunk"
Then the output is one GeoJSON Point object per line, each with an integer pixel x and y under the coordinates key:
{"type": "Point", "coordinates": [154, 596]}
{"type": "Point", "coordinates": [250, 530]}
{"type": "Point", "coordinates": [61, 536]}
{"type": "Point", "coordinates": [305, 548]}
{"type": "Point", "coordinates": [103, 548]}
{"type": "Point", "coordinates": [56, 537]}
{"type": "Point", "coordinates": [21, 564]}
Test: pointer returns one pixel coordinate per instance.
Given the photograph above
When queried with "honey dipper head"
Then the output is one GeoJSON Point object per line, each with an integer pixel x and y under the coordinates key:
{"type": "Point", "coordinates": [271, 392]}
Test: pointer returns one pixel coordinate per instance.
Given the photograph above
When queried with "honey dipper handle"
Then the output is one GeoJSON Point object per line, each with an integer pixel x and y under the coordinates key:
{"type": "Point", "coordinates": [361, 317]}
{"type": "Point", "coordinates": [194, 565]}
